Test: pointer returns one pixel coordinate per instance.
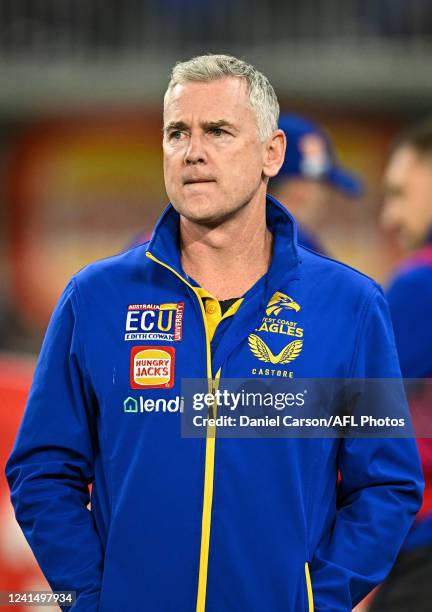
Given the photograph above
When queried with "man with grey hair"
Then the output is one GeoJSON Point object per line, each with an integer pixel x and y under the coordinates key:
{"type": "Point", "coordinates": [222, 290]}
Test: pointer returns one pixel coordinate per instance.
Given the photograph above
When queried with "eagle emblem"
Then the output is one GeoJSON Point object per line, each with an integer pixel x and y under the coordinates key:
{"type": "Point", "coordinates": [260, 349]}
{"type": "Point", "coordinates": [281, 301]}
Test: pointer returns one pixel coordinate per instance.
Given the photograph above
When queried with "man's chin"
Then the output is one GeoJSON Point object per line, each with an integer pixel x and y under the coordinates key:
{"type": "Point", "coordinates": [204, 214]}
{"type": "Point", "coordinates": [206, 219]}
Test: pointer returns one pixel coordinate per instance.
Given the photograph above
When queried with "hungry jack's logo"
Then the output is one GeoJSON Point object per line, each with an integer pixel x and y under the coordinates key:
{"type": "Point", "coordinates": [152, 367]}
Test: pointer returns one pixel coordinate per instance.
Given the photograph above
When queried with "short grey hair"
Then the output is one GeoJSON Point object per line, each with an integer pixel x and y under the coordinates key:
{"type": "Point", "coordinates": [206, 68]}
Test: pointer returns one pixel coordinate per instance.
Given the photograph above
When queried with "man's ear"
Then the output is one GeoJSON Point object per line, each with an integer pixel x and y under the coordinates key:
{"type": "Point", "coordinates": [274, 153]}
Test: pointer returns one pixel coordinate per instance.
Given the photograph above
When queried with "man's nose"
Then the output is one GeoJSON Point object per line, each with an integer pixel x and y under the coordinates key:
{"type": "Point", "coordinates": [195, 152]}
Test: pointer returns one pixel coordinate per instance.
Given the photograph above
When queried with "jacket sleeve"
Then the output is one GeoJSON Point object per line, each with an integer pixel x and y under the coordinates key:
{"type": "Point", "coordinates": [51, 464]}
{"type": "Point", "coordinates": [380, 489]}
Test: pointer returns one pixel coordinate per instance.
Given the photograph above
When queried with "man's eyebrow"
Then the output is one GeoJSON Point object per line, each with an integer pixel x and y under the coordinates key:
{"type": "Point", "coordinates": [207, 125]}
{"type": "Point", "coordinates": [175, 125]}
{"type": "Point", "coordinates": [218, 124]}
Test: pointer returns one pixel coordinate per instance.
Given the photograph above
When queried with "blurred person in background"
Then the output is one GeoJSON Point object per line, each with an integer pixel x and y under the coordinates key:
{"type": "Point", "coordinates": [407, 213]}
{"type": "Point", "coordinates": [310, 178]}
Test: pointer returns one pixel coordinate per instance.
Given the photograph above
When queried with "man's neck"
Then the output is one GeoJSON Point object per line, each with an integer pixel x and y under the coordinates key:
{"type": "Point", "coordinates": [229, 258]}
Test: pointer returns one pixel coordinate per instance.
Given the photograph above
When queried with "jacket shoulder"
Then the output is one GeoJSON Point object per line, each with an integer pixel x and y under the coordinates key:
{"type": "Point", "coordinates": [123, 265]}
{"type": "Point", "coordinates": [336, 272]}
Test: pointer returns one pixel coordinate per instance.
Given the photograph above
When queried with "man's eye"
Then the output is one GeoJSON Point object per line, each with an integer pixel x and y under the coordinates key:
{"type": "Point", "coordinates": [217, 131]}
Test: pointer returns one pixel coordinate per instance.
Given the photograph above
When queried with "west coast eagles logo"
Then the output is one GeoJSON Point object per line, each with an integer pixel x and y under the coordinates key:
{"type": "Point", "coordinates": [260, 349]}
{"type": "Point", "coordinates": [274, 322]}
{"type": "Point", "coordinates": [280, 301]}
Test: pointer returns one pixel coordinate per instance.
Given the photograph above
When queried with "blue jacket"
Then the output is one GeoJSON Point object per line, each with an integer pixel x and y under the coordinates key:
{"type": "Point", "coordinates": [178, 524]}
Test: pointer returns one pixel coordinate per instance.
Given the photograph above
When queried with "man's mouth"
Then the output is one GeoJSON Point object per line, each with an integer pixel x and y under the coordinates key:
{"type": "Point", "coordinates": [197, 181]}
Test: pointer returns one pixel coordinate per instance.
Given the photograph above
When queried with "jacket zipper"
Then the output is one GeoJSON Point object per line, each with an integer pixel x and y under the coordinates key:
{"type": "Point", "coordinates": [209, 457]}
{"type": "Point", "coordinates": [309, 588]}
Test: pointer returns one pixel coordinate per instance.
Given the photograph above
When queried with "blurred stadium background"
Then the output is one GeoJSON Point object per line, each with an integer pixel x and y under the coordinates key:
{"type": "Point", "coordinates": [81, 85]}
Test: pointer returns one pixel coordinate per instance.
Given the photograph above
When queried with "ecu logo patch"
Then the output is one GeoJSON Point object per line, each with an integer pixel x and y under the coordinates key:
{"type": "Point", "coordinates": [152, 367]}
{"type": "Point", "coordinates": [154, 322]}
{"type": "Point", "coordinates": [260, 349]}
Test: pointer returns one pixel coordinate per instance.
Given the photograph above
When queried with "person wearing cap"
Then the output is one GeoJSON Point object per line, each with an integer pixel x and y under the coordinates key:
{"type": "Point", "coordinates": [407, 213]}
{"type": "Point", "coordinates": [309, 176]}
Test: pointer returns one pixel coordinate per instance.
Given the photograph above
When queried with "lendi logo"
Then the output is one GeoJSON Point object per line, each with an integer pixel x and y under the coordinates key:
{"type": "Point", "coordinates": [280, 301]}
{"type": "Point", "coordinates": [260, 349]}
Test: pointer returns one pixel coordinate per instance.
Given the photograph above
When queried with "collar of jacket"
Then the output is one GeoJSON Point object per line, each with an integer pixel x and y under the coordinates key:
{"type": "Point", "coordinates": [164, 244]}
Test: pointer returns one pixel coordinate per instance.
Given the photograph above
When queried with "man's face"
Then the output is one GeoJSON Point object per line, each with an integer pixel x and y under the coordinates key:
{"type": "Point", "coordinates": [213, 158]}
{"type": "Point", "coordinates": [407, 208]}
